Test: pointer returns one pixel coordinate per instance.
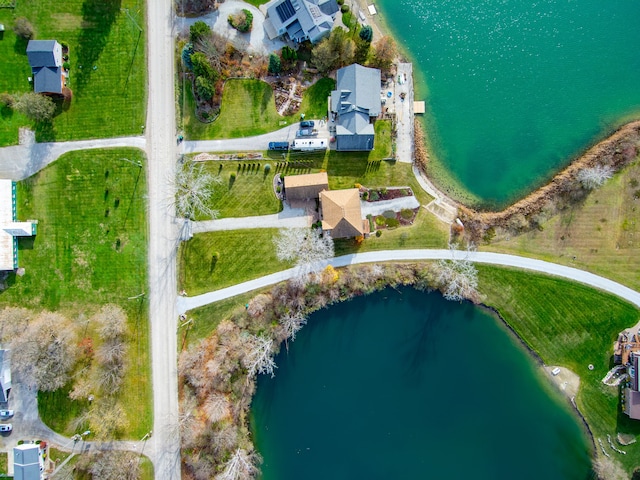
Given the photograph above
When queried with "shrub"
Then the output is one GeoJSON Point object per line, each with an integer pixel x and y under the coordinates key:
{"type": "Point", "coordinates": [198, 31]}
{"type": "Point", "coordinates": [204, 88]}
{"type": "Point", "coordinates": [366, 33]}
{"type": "Point", "coordinates": [392, 222]}
{"type": "Point", "coordinates": [378, 233]}
{"type": "Point", "coordinates": [275, 65]}
{"type": "Point", "coordinates": [373, 195]}
{"type": "Point", "coordinates": [406, 213]}
{"type": "Point", "coordinates": [340, 2]}
{"type": "Point", "coordinates": [344, 8]}
{"type": "Point", "coordinates": [201, 66]}
{"type": "Point", "coordinates": [380, 221]}
{"type": "Point", "coordinates": [241, 21]}
{"type": "Point", "coordinates": [66, 66]}
{"type": "Point", "coordinates": [6, 99]}
{"type": "Point", "coordinates": [267, 168]}
{"type": "Point", "coordinates": [23, 28]}
{"type": "Point", "coordinates": [187, 51]}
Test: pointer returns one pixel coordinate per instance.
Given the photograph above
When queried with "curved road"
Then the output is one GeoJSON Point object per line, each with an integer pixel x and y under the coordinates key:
{"type": "Point", "coordinates": [601, 283]}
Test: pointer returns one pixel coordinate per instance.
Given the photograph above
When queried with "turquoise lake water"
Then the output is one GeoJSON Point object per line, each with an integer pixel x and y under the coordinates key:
{"type": "Point", "coordinates": [405, 385]}
{"type": "Point", "coordinates": [515, 89]}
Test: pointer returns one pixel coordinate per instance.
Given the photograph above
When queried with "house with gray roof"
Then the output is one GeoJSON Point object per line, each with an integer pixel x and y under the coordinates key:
{"type": "Point", "coordinates": [355, 104]}
{"type": "Point", "coordinates": [45, 59]}
{"type": "Point", "coordinates": [28, 462]}
{"type": "Point", "coordinates": [5, 376]}
{"type": "Point", "coordinates": [300, 20]}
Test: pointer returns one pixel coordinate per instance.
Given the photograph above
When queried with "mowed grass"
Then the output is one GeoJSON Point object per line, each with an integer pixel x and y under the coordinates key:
{"type": "Point", "coordinates": [248, 108]}
{"type": "Point", "coordinates": [90, 249]}
{"type": "Point", "coordinates": [250, 193]}
{"type": "Point", "coordinates": [108, 67]}
{"type": "Point", "coordinates": [602, 235]}
{"type": "Point", "coordinates": [214, 260]}
{"type": "Point", "coordinates": [571, 325]}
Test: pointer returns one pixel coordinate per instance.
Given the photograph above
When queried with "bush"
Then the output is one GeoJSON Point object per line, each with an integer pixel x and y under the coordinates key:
{"type": "Point", "coordinates": [341, 2]}
{"type": "Point", "coordinates": [366, 33]}
{"type": "Point", "coordinates": [7, 100]}
{"type": "Point", "coordinates": [275, 65]}
{"type": "Point", "coordinates": [241, 21]}
{"type": "Point", "coordinates": [187, 51]}
{"type": "Point", "coordinates": [392, 222]}
{"type": "Point", "coordinates": [344, 8]}
{"type": "Point", "coordinates": [198, 31]}
{"type": "Point", "coordinates": [66, 66]}
{"type": "Point", "coordinates": [378, 233]}
{"type": "Point", "coordinates": [201, 66]}
{"type": "Point", "coordinates": [406, 213]}
{"type": "Point", "coordinates": [204, 88]}
{"type": "Point", "coordinates": [23, 28]}
{"type": "Point", "coordinates": [380, 221]}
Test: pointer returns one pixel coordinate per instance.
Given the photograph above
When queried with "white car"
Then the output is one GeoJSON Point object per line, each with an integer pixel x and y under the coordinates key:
{"type": "Point", "coordinates": [6, 427]}
{"type": "Point", "coordinates": [6, 413]}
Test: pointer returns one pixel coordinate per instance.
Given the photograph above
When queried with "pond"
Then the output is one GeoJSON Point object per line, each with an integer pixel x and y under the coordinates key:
{"type": "Point", "coordinates": [403, 384]}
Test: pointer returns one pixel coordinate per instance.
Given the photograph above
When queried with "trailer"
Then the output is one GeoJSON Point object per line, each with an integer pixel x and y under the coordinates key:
{"type": "Point", "coordinates": [310, 144]}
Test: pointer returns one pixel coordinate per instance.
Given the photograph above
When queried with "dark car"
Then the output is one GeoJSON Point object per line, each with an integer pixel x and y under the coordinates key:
{"type": "Point", "coordinates": [279, 146]}
{"type": "Point", "coordinates": [307, 124]}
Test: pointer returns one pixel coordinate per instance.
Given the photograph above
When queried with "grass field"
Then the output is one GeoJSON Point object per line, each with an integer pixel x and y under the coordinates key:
{"type": "Point", "coordinates": [571, 325]}
{"type": "Point", "coordinates": [108, 67]}
{"type": "Point", "coordinates": [90, 249]}
{"type": "Point", "coordinates": [602, 235]}
{"type": "Point", "coordinates": [249, 108]}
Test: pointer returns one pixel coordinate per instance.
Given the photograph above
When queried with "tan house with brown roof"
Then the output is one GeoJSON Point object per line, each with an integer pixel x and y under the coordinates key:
{"type": "Point", "coordinates": [341, 213]}
{"type": "Point", "coordinates": [305, 187]}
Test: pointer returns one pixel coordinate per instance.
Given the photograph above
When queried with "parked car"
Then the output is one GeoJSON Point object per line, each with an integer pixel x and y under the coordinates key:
{"type": "Point", "coordinates": [6, 413]}
{"type": "Point", "coordinates": [306, 132]}
{"type": "Point", "coordinates": [307, 124]}
{"type": "Point", "coordinates": [279, 146]}
{"type": "Point", "coordinates": [6, 427]}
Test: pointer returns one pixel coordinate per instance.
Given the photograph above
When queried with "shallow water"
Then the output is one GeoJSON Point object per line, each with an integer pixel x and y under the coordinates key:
{"type": "Point", "coordinates": [407, 385]}
{"type": "Point", "coordinates": [516, 88]}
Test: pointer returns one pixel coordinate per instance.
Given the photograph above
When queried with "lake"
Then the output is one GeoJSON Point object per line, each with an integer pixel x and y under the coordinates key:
{"type": "Point", "coordinates": [405, 385]}
{"type": "Point", "coordinates": [515, 89]}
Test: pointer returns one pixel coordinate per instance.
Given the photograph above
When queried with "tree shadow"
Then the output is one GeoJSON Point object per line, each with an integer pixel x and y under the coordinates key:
{"type": "Point", "coordinates": [6, 112]}
{"type": "Point", "coordinates": [98, 17]}
{"type": "Point", "coordinates": [45, 132]}
{"type": "Point", "coordinates": [20, 47]}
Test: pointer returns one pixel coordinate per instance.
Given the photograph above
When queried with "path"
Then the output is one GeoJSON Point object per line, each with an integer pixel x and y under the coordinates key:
{"type": "Point", "coordinates": [574, 274]}
{"type": "Point", "coordinates": [287, 218]}
{"type": "Point", "coordinates": [395, 205]}
{"type": "Point", "coordinates": [256, 40]}
{"type": "Point", "coordinates": [22, 161]}
{"type": "Point", "coordinates": [163, 238]}
{"type": "Point", "coordinates": [287, 102]}
{"type": "Point", "coordinates": [404, 113]}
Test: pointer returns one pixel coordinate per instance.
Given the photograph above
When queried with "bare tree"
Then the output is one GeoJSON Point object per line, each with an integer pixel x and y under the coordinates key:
{"type": "Point", "coordinates": [13, 322]}
{"type": "Point", "coordinates": [216, 407]}
{"type": "Point", "coordinates": [112, 320]}
{"type": "Point", "coordinates": [111, 465]}
{"type": "Point", "coordinates": [213, 46]}
{"type": "Point", "coordinates": [106, 418]}
{"type": "Point", "coordinates": [259, 357]}
{"type": "Point", "coordinates": [194, 189]}
{"type": "Point", "coordinates": [458, 277]}
{"type": "Point", "coordinates": [594, 177]}
{"type": "Point", "coordinates": [45, 352]}
{"type": "Point", "coordinates": [241, 466]}
{"type": "Point", "coordinates": [308, 248]}
{"type": "Point", "coordinates": [292, 323]}
{"type": "Point", "coordinates": [609, 469]}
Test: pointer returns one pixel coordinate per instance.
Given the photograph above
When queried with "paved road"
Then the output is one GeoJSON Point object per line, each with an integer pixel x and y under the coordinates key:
{"type": "Point", "coordinates": [189, 303]}
{"type": "Point", "coordinates": [287, 218]}
{"type": "Point", "coordinates": [163, 238]}
{"type": "Point", "coordinates": [22, 161]}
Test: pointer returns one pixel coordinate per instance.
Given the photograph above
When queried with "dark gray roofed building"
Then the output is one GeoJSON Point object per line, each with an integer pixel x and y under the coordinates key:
{"type": "Point", "coordinates": [354, 104]}
{"type": "Point", "coordinates": [45, 59]}
{"type": "Point", "coordinates": [300, 20]}
{"type": "Point", "coordinates": [5, 376]}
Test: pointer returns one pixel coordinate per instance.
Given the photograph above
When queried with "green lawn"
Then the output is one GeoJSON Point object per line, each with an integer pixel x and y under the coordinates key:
{"type": "Point", "coordinates": [248, 108]}
{"type": "Point", "coordinates": [571, 325]}
{"type": "Point", "coordinates": [210, 261]}
{"type": "Point", "coordinates": [108, 67]}
{"type": "Point", "coordinates": [4, 462]}
{"type": "Point", "coordinates": [90, 249]}
{"type": "Point", "coordinates": [251, 193]}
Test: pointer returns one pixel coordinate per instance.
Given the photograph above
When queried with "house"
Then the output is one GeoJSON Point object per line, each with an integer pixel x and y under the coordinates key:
{"type": "Point", "coordinates": [631, 402]}
{"type": "Point", "coordinates": [355, 104]}
{"type": "Point", "coordinates": [305, 187]}
{"type": "Point", "coordinates": [300, 20]}
{"type": "Point", "coordinates": [45, 59]}
{"type": "Point", "coordinates": [5, 376]}
{"type": "Point", "coordinates": [341, 213]}
{"type": "Point", "coordinates": [10, 229]}
{"type": "Point", "coordinates": [28, 462]}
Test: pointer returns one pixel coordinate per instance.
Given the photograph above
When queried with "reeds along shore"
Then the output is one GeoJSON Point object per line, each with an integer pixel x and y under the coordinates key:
{"type": "Point", "coordinates": [617, 151]}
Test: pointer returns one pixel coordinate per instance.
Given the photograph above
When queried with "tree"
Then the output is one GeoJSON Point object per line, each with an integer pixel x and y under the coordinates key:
{"type": "Point", "coordinates": [289, 56]}
{"type": "Point", "coordinates": [38, 108]}
{"type": "Point", "coordinates": [241, 21]}
{"type": "Point", "coordinates": [213, 47]}
{"type": "Point", "coordinates": [107, 418]}
{"type": "Point", "coordinates": [204, 88]}
{"type": "Point", "coordinates": [241, 466]}
{"type": "Point", "coordinates": [112, 351]}
{"type": "Point", "coordinates": [308, 248]}
{"type": "Point", "coordinates": [275, 66]}
{"type": "Point", "coordinates": [259, 357]}
{"type": "Point", "coordinates": [187, 51]}
{"type": "Point", "coordinates": [594, 177]}
{"type": "Point", "coordinates": [23, 28]}
{"type": "Point", "coordinates": [366, 33]}
{"type": "Point", "coordinates": [201, 66]}
{"type": "Point", "coordinates": [216, 407]}
{"type": "Point", "coordinates": [384, 53]}
{"type": "Point", "coordinates": [194, 190]}
{"type": "Point", "coordinates": [44, 354]}
{"type": "Point", "coordinates": [198, 31]}
{"type": "Point", "coordinates": [292, 323]}
{"type": "Point", "coordinates": [457, 278]}
{"type": "Point", "coordinates": [333, 52]}
{"type": "Point", "coordinates": [112, 320]}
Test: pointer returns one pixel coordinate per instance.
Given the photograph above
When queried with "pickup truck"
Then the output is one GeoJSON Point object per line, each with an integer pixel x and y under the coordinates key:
{"type": "Point", "coordinates": [306, 132]}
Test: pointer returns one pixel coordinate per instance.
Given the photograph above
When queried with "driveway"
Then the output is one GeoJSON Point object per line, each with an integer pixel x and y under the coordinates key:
{"type": "Point", "coordinates": [255, 41]}
{"type": "Point", "coordinates": [287, 218]}
{"type": "Point", "coordinates": [395, 205]}
{"type": "Point", "coordinates": [404, 113]}
{"type": "Point", "coordinates": [246, 144]}
{"type": "Point", "coordinates": [596, 281]}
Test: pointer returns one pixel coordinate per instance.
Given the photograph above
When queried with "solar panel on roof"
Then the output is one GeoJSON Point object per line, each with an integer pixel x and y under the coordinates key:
{"type": "Point", "coordinates": [285, 10]}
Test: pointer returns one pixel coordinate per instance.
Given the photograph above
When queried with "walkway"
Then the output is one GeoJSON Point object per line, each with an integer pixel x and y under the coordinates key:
{"type": "Point", "coordinates": [601, 283]}
{"type": "Point", "coordinates": [287, 218]}
{"type": "Point", "coordinates": [395, 205]}
{"type": "Point", "coordinates": [22, 161]}
{"type": "Point", "coordinates": [404, 113]}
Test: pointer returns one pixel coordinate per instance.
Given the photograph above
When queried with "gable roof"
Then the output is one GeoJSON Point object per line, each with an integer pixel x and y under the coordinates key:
{"type": "Point", "coordinates": [5, 375]}
{"type": "Point", "coordinates": [47, 80]}
{"type": "Point", "coordinates": [305, 187]}
{"type": "Point", "coordinates": [42, 53]}
{"type": "Point", "coordinates": [341, 213]}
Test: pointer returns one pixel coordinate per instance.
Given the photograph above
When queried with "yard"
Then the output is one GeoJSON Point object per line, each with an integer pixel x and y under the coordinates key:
{"type": "Point", "coordinates": [108, 67]}
{"type": "Point", "coordinates": [571, 325]}
{"type": "Point", "coordinates": [90, 250]}
{"type": "Point", "coordinates": [248, 109]}
{"type": "Point", "coordinates": [602, 235]}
